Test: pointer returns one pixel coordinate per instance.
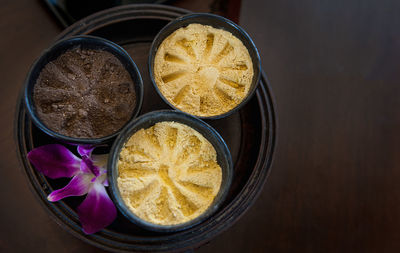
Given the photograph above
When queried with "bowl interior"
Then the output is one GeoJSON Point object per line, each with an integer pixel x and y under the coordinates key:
{"type": "Point", "coordinates": [219, 23]}
{"type": "Point", "coordinates": [84, 42]}
{"type": "Point", "coordinates": [224, 159]}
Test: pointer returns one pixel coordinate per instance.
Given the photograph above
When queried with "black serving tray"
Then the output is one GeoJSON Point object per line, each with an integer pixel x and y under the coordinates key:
{"type": "Point", "coordinates": [68, 12]}
{"type": "Point", "coordinates": [249, 133]}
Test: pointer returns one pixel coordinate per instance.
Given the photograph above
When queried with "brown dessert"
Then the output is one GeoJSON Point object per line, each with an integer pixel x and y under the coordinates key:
{"type": "Point", "coordinates": [84, 94]}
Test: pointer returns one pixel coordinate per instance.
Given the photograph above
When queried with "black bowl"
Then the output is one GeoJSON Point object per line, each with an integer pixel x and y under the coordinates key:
{"type": "Point", "coordinates": [219, 23]}
{"type": "Point", "coordinates": [85, 42]}
{"type": "Point", "coordinates": [224, 160]}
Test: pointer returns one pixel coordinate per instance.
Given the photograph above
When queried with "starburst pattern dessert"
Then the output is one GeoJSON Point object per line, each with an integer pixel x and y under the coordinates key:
{"type": "Point", "coordinates": [202, 70]}
{"type": "Point", "coordinates": [168, 173]}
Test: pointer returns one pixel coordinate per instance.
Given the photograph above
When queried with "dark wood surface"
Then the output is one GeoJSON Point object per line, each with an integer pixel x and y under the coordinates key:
{"type": "Point", "coordinates": [334, 185]}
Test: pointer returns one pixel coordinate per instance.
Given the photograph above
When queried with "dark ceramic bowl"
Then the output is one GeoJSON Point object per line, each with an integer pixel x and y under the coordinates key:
{"type": "Point", "coordinates": [85, 42]}
{"type": "Point", "coordinates": [219, 23]}
{"type": "Point", "coordinates": [224, 159]}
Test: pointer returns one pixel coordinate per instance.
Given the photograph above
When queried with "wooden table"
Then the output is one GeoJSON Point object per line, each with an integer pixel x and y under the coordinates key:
{"type": "Point", "coordinates": [334, 186]}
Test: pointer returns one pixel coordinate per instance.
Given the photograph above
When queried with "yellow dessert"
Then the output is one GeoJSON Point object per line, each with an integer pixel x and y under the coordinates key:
{"type": "Point", "coordinates": [168, 173]}
{"type": "Point", "coordinates": [202, 70]}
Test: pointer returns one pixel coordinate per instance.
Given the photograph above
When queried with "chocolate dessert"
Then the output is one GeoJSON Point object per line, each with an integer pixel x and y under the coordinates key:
{"type": "Point", "coordinates": [84, 94]}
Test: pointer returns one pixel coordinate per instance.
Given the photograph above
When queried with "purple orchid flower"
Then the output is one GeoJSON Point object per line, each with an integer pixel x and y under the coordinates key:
{"type": "Point", "coordinates": [89, 176]}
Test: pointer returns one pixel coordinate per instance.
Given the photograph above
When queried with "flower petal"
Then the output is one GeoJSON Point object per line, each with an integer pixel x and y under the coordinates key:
{"type": "Point", "coordinates": [88, 166]}
{"type": "Point", "coordinates": [100, 160]}
{"type": "Point", "coordinates": [78, 186]}
{"type": "Point", "coordinates": [85, 150]}
{"type": "Point", "coordinates": [101, 178]}
{"type": "Point", "coordinates": [97, 211]}
{"type": "Point", "coordinates": [54, 161]}
{"type": "Point", "coordinates": [105, 182]}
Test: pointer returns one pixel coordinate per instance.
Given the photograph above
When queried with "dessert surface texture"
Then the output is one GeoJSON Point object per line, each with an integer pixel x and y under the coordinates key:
{"type": "Point", "coordinates": [168, 173]}
{"type": "Point", "coordinates": [84, 94]}
{"type": "Point", "coordinates": [202, 70]}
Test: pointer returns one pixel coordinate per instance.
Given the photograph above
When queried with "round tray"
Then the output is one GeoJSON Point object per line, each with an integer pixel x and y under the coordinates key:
{"type": "Point", "coordinates": [249, 134]}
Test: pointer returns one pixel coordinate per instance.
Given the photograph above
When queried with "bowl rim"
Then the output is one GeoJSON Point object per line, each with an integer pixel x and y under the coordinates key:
{"type": "Point", "coordinates": [180, 117]}
{"type": "Point", "coordinates": [75, 41]}
{"type": "Point", "coordinates": [162, 33]}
